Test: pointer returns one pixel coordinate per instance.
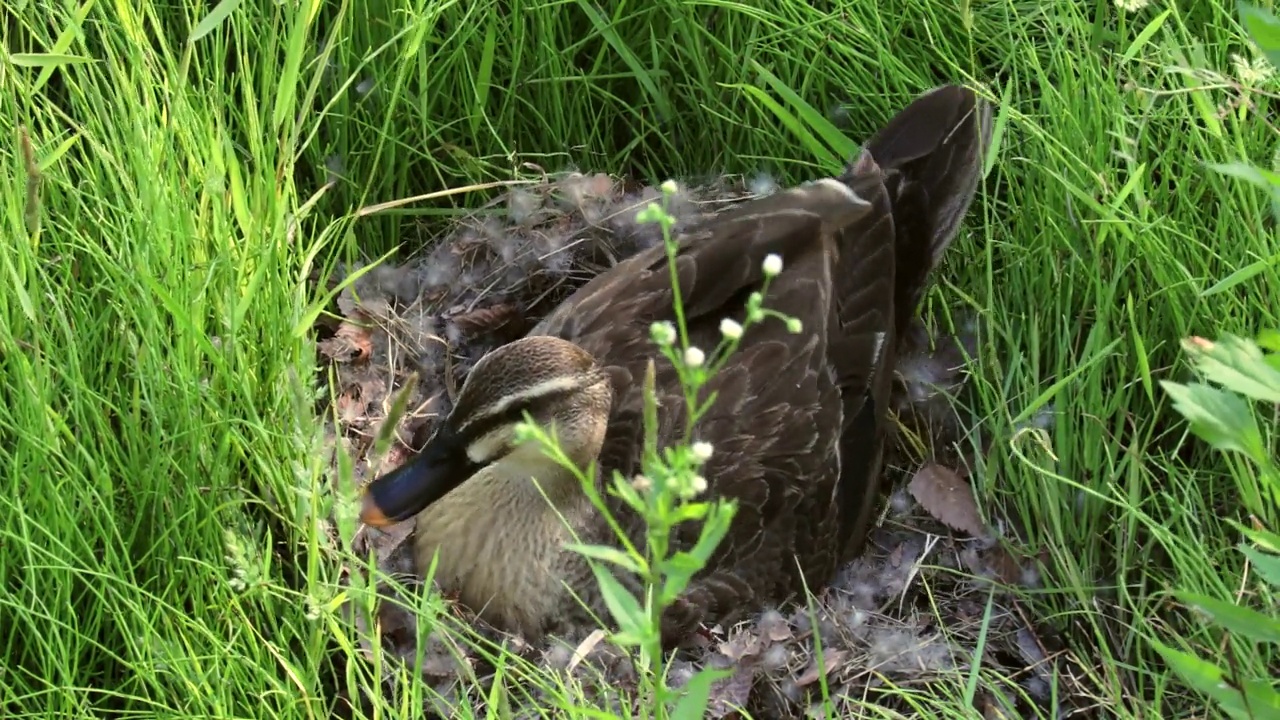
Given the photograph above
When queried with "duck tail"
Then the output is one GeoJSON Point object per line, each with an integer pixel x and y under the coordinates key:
{"type": "Point", "coordinates": [930, 155]}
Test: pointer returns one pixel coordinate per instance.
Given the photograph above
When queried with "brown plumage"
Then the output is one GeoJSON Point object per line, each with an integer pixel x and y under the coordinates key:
{"type": "Point", "coordinates": [800, 425]}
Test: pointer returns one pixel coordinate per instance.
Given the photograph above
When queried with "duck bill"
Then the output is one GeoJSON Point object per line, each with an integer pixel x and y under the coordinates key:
{"type": "Point", "coordinates": [409, 489]}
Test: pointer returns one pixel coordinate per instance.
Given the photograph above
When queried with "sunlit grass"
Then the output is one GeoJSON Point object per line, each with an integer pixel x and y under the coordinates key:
{"type": "Point", "coordinates": [161, 445]}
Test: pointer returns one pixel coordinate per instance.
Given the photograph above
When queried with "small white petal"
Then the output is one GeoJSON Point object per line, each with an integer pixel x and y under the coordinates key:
{"type": "Point", "coordinates": [730, 329]}
{"type": "Point", "coordinates": [772, 264]}
{"type": "Point", "coordinates": [693, 357]}
{"type": "Point", "coordinates": [702, 450]}
{"type": "Point", "coordinates": [662, 333]}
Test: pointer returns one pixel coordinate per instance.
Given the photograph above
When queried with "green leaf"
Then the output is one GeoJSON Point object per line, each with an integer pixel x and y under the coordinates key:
{"type": "Point", "coordinates": [677, 571]}
{"type": "Point", "coordinates": [1222, 419]}
{"type": "Point", "coordinates": [610, 555]}
{"type": "Point", "coordinates": [1244, 274]}
{"type": "Point", "coordinates": [1205, 677]}
{"type": "Point", "coordinates": [1264, 564]}
{"type": "Point", "coordinates": [1242, 621]}
{"type": "Point", "coordinates": [43, 60]}
{"type": "Point", "coordinates": [1263, 28]}
{"type": "Point", "coordinates": [1269, 340]}
{"type": "Point", "coordinates": [680, 567]}
{"type": "Point", "coordinates": [1264, 701]}
{"type": "Point", "coordinates": [717, 525]}
{"type": "Point", "coordinates": [829, 160]}
{"type": "Point", "coordinates": [838, 141]}
{"type": "Point", "coordinates": [1256, 176]}
{"type": "Point", "coordinates": [1236, 364]}
{"type": "Point", "coordinates": [695, 693]}
{"type": "Point", "coordinates": [216, 17]}
{"type": "Point", "coordinates": [689, 511]}
{"type": "Point", "coordinates": [622, 605]}
{"type": "Point", "coordinates": [1267, 540]}
{"type": "Point", "coordinates": [623, 489]}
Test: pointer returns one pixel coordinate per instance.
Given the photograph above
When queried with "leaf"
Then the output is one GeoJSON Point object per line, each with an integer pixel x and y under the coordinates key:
{"type": "Point", "coordinates": [832, 660]}
{"type": "Point", "coordinates": [1236, 364]}
{"type": "Point", "coordinates": [485, 319]}
{"type": "Point", "coordinates": [1222, 419]}
{"type": "Point", "coordinates": [1252, 174]}
{"type": "Point", "coordinates": [948, 498]}
{"type": "Point", "coordinates": [774, 626]}
{"type": "Point", "coordinates": [1205, 677]}
{"type": "Point", "coordinates": [350, 343]}
{"type": "Point", "coordinates": [622, 605]}
{"type": "Point", "coordinates": [608, 554]}
{"type": "Point", "coordinates": [216, 17]}
{"type": "Point", "coordinates": [623, 489]}
{"type": "Point", "coordinates": [732, 693]}
{"type": "Point", "coordinates": [680, 568]}
{"type": "Point", "coordinates": [1264, 564]}
{"type": "Point", "coordinates": [1237, 619]}
{"type": "Point", "coordinates": [677, 571]}
{"type": "Point", "coordinates": [1269, 541]}
{"type": "Point", "coordinates": [1269, 340]}
{"type": "Point", "coordinates": [693, 696]}
{"type": "Point", "coordinates": [1242, 275]}
{"type": "Point", "coordinates": [1263, 28]}
{"type": "Point", "coordinates": [838, 140]}
{"type": "Point", "coordinates": [825, 157]}
{"type": "Point", "coordinates": [714, 529]}
{"type": "Point", "coordinates": [45, 60]}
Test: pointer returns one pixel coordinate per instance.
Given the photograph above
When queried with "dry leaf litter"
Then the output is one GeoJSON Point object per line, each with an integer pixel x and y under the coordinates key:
{"type": "Point", "coordinates": [907, 613]}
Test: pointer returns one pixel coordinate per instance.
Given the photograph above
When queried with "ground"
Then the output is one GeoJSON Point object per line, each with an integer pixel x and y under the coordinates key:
{"type": "Point", "coordinates": [184, 178]}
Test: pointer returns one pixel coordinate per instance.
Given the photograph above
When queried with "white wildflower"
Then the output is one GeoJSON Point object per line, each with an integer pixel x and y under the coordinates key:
{"type": "Point", "coordinates": [1132, 6]}
{"type": "Point", "coordinates": [693, 357]}
{"type": "Point", "coordinates": [669, 187]}
{"type": "Point", "coordinates": [1252, 72]}
{"type": "Point", "coordinates": [730, 329]}
{"type": "Point", "coordinates": [662, 333]}
{"type": "Point", "coordinates": [650, 214]}
{"type": "Point", "coordinates": [772, 264]}
{"type": "Point", "coordinates": [702, 450]}
{"type": "Point", "coordinates": [698, 484]}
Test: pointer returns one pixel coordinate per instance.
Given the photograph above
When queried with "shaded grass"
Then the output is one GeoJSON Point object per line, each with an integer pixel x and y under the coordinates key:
{"type": "Point", "coordinates": [153, 331]}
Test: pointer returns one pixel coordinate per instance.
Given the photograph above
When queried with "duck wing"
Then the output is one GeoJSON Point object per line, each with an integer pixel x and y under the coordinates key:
{"type": "Point", "coordinates": [776, 418]}
{"type": "Point", "coordinates": [926, 163]}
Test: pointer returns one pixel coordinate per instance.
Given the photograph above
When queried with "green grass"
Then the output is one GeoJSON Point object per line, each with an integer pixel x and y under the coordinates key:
{"type": "Point", "coordinates": [155, 415]}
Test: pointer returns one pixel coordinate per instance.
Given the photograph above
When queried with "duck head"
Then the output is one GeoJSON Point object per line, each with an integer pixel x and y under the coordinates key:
{"type": "Point", "coordinates": [553, 382]}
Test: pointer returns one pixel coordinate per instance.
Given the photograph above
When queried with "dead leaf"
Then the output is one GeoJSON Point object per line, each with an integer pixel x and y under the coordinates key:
{"type": "Point", "coordinates": [350, 343]}
{"type": "Point", "coordinates": [832, 661]}
{"type": "Point", "coordinates": [485, 319]}
{"type": "Point", "coordinates": [742, 644]}
{"type": "Point", "coordinates": [946, 497]}
{"type": "Point", "coordinates": [585, 647]}
{"type": "Point", "coordinates": [1004, 564]}
{"type": "Point", "coordinates": [775, 627]}
{"type": "Point", "coordinates": [731, 693]}
{"type": "Point", "coordinates": [350, 407]}
{"type": "Point", "coordinates": [387, 540]}
{"type": "Point", "coordinates": [895, 557]}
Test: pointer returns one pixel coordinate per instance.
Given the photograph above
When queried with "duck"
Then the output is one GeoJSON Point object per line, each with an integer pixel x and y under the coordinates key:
{"type": "Point", "coordinates": [800, 423]}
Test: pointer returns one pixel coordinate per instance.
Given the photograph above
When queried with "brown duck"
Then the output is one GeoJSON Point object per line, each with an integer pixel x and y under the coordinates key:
{"type": "Point", "coordinates": [799, 427]}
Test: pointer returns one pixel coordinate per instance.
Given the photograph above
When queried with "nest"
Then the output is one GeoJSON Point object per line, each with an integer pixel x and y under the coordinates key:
{"type": "Point", "coordinates": [908, 613]}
